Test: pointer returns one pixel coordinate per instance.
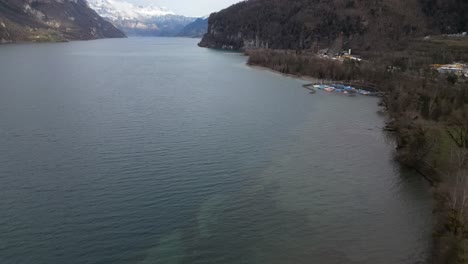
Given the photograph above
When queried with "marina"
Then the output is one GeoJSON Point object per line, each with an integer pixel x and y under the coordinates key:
{"type": "Point", "coordinates": [340, 88]}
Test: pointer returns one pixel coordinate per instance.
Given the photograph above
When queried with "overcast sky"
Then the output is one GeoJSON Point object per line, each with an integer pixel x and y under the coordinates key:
{"type": "Point", "coordinates": [196, 8]}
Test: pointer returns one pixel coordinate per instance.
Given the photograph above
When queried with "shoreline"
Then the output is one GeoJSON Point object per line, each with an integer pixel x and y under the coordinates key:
{"type": "Point", "coordinates": [314, 81]}
{"type": "Point", "coordinates": [440, 246]}
{"type": "Point", "coordinates": [300, 77]}
{"type": "Point", "coordinates": [12, 42]}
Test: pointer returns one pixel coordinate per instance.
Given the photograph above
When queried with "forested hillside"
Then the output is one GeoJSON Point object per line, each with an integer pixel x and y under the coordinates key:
{"type": "Point", "coordinates": [52, 20]}
{"type": "Point", "coordinates": [303, 24]}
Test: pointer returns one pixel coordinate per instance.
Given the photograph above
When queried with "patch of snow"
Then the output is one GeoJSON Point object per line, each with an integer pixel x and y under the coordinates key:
{"type": "Point", "coordinates": [54, 24]}
{"type": "Point", "coordinates": [38, 14]}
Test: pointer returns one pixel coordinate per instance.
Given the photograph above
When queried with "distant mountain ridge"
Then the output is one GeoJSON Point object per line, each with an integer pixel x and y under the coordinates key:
{"type": "Point", "coordinates": [52, 20]}
{"type": "Point", "coordinates": [115, 9]}
{"type": "Point", "coordinates": [196, 29]}
{"type": "Point", "coordinates": [303, 24]}
{"type": "Point", "coordinates": [141, 20]}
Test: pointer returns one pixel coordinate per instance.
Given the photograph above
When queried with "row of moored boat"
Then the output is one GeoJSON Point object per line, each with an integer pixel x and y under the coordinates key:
{"type": "Point", "coordinates": [341, 88]}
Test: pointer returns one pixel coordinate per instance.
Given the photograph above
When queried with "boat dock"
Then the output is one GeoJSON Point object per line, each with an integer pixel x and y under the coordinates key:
{"type": "Point", "coordinates": [310, 87]}
{"type": "Point", "coordinates": [348, 88]}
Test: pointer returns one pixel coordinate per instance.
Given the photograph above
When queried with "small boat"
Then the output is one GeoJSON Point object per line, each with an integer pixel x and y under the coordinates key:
{"type": "Point", "coordinates": [363, 92]}
{"type": "Point", "coordinates": [339, 86]}
{"type": "Point", "coordinates": [329, 89]}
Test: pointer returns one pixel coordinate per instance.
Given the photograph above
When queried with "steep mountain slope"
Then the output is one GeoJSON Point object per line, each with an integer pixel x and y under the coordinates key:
{"type": "Point", "coordinates": [52, 20]}
{"type": "Point", "coordinates": [140, 20]}
{"type": "Point", "coordinates": [302, 24]}
{"type": "Point", "coordinates": [196, 29]}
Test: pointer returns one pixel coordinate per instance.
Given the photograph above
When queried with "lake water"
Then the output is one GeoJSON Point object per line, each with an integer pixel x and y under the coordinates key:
{"type": "Point", "coordinates": [152, 150]}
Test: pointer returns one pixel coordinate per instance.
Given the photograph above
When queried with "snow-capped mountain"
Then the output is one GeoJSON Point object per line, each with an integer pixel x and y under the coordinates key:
{"type": "Point", "coordinates": [115, 9]}
{"type": "Point", "coordinates": [140, 20]}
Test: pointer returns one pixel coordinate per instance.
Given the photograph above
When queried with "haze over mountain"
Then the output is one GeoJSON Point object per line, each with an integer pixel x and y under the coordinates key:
{"type": "Point", "coordinates": [139, 20]}
{"type": "Point", "coordinates": [189, 8]}
{"type": "Point", "coordinates": [52, 20]}
{"type": "Point", "coordinates": [196, 29]}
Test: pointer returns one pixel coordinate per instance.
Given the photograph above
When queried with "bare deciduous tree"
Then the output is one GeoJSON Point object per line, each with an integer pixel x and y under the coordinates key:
{"type": "Point", "coordinates": [457, 191]}
{"type": "Point", "coordinates": [458, 127]}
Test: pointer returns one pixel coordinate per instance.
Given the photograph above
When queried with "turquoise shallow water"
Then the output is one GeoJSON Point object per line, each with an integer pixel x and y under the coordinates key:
{"type": "Point", "coordinates": [152, 150]}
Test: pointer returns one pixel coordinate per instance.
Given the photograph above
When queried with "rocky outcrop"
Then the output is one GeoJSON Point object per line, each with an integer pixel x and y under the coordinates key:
{"type": "Point", "coordinates": [52, 20]}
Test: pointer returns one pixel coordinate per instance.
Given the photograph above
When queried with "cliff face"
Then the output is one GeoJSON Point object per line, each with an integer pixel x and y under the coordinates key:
{"type": "Point", "coordinates": [303, 24]}
{"type": "Point", "coordinates": [52, 20]}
